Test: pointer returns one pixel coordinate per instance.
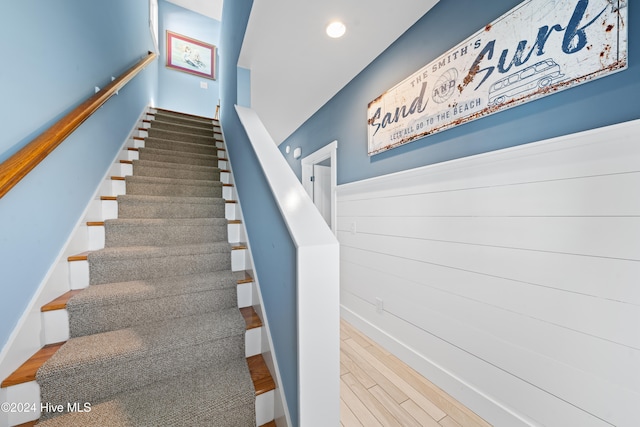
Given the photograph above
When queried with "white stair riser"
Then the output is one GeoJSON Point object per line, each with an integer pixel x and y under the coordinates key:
{"type": "Point", "coordinates": [109, 209]}
{"type": "Point", "coordinates": [236, 233]}
{"type": "Point", "coordinates": [96, 237]}
{"type": "Point", "coordinates": [128, 155]}
{"type": "Point", "coordinates": [228, 193]}
{"type": "Point", "coordinates": [238, 259]}
{"type": "Point", "coordinates": [225, 177]}
{"type": "Point", "coordinates": [246, 292]}
{"type": "Point", "coordinates": [265, 404]}
{"type": "Point", "coordinates": [78, 274]}
{"type": "Point", "coordinates": [56, 326]}
{"type": "Point", "coordinates": [111, 187]}
{"type": "Point", "coordinates": [121, 169]}
{"type": "Point", "coordinates": [230, 211]}
{"type": "Point", "coordinates": [253, 342]}
{"type": "Point", "coordinates": [27, 394]}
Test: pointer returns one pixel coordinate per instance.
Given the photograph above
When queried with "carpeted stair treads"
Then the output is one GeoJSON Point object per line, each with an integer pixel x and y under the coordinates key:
{"type": "Point", "coordinates": [157, 338]}
{"type": "Point", "coordinates": [184, 128]}
{"type": "Point", "coordinates": [130, 206]}
{"type": "Point", "coordinates": [170, 156]}
{"type": "Point", "coordinates": [164, 232]}
{"type": "Point", "coordinates": [177, 136]}
{"type": "Point", "coordinates": [93, 367]}
{"type": "Point", "coordinates": [212, 397]}
{"type": "Point", "coordinates": [158, 186]}
{"type": "Point", "coordinates": [175, 170]}
{"type": "Point", "coordinates": [127, 263]}
{"type": "Point", "coordinates": [114, 306]}
{"type": "Point", "coordinates": [186, 147]}
{"type": "Point", "coordinates": [167, 116]}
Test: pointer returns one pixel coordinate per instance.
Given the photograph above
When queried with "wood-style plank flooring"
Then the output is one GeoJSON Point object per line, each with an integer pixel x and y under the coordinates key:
{"type": "Point", "coordinates": [377, 389]}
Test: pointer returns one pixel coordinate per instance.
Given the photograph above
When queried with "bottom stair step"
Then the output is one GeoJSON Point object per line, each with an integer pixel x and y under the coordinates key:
{"type": "Point", "coordinates": [263, 385]}
{"type": "Point", "coordinates": [199, 398]}
{"type": "Point", "coordinates": [97, 366]}
{"type": "Point", "coordinates": [33, 423]}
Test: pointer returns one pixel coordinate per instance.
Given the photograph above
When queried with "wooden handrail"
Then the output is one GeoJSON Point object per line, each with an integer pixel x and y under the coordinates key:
{"type": "Point", "coordinates": [21, 163]}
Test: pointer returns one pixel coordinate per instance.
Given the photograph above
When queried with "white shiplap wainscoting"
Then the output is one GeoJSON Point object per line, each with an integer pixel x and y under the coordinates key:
{"type": "Point", "coordinates": [511, 278]}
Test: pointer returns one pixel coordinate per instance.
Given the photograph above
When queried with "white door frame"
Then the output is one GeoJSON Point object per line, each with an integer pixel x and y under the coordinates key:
{"type": "Point", "coordinates": [329, 151]}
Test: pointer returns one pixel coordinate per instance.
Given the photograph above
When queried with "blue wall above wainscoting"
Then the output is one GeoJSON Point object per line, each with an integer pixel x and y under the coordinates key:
{"type": "Point", "coordinates": [609, 100]}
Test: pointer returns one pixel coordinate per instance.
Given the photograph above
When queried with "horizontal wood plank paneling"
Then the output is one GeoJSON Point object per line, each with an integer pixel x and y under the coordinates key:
{"type": "Point", "coordinates": [474, 303]}
{"type": "Point", "coordinates": [567, 157]}
{"type": "Point", "coordinates": [514, 272]}
{"type": "Point", "coordinates": [587, 236]}
{"type": "Point", "coordinates": [515, 283]}
{"type": "Point", "coordinates": [586, 196]}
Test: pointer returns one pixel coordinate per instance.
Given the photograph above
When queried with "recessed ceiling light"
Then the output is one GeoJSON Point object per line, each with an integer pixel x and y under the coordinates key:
{"type": "Point", "coordinates": [336, 29]}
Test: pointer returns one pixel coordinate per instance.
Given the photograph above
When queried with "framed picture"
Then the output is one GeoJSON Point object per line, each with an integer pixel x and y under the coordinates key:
{"type": "Point", "coordinates": [190, 55]}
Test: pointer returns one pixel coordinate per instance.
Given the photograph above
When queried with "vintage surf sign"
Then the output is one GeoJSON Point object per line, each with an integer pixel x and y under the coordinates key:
{"type": "Point", "coordinates": [536, 49]}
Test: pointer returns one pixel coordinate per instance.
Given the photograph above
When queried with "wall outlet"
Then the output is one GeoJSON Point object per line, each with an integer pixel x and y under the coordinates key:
{"type": "Point", "coordinates": [204, 85]}
{"type": "Point", "coordinates": [352, 227]}
{"type": "Point", "coordinates": [379, 305]}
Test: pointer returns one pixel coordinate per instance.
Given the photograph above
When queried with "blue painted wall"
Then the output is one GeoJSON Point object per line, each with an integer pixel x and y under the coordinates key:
{"type": "Point", "coordinates": [54, 55]}
{"type": "Point", "coordinates": [273, 251]}
{"type": "Point", "coordinates": [181, 91]}
{"type": "Point", "coordinates": [244, 87]}
{"type": "Point", "coordinates": [605, 101]}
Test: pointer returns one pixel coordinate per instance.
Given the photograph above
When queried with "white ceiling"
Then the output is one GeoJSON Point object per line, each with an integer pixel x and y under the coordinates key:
{"type": "Point", "coordinates": [295, 67]}
{"type": "Point", "coordinates": [210, 8]}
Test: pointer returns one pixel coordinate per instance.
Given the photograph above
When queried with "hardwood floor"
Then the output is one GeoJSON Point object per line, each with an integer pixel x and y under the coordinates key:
{"type": "Point", "coordinates": [377, 389]}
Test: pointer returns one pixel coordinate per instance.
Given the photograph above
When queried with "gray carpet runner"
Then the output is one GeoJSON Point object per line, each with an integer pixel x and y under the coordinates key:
{"type": "Point", "coordinates": [157, 338]}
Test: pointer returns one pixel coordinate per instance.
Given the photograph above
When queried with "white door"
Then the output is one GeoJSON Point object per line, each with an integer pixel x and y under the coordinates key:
{"type": "Point", "coordinates": [319, 179]}
{"type": "Point", "coordinates": [322, 191]}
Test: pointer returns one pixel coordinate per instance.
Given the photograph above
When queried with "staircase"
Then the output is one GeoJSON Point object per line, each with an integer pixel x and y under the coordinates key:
{"type": "Point", "coordinates": [158, 327]}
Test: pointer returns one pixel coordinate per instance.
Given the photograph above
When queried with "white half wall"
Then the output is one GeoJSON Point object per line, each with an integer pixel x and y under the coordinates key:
{"type": "Point", "coordinates": [317, 281]}
{"type": "Point", "coordinates": [511, 279]}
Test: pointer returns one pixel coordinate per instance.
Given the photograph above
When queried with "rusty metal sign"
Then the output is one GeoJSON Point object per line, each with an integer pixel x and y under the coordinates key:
{"type": "Point", "coordinates": [538, 48]}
